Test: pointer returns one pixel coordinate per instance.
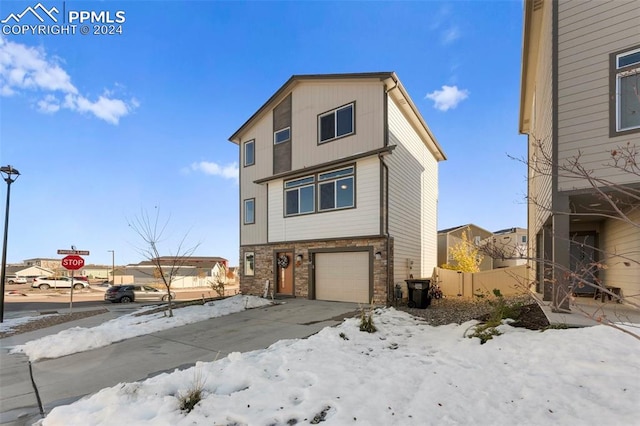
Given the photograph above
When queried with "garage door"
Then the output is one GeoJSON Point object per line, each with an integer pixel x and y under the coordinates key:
{"type": "Point", "coordinates": [342, 277]}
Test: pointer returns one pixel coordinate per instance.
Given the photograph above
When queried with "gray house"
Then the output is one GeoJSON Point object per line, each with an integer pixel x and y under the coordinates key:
{"type": "Point", "coordinates": [338, 189]}
{"type": "Point", "coordinates": [580, 99]}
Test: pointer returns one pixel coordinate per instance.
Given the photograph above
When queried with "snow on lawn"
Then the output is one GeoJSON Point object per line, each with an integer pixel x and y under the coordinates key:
{"type": "Point", "coordinates": [407, 373]}
{"type": "Point", "coordinates": [79, 339]}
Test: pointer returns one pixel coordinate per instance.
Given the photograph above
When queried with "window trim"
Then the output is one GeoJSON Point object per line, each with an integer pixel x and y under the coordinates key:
{"type": "Point", "coordinates": [297, 188]}
{"type": "Point", "coordinates": [614, 74]}
{"type": "Point", "coordinates": [245, 145]}
{"type": "Point", "coordinates": [316, 185]}
{"type": "Point", "coordinates": [334, 111]}
{"type": "Point", "coordinates": [244, 211]}
{"type": "Point", "coordinates": [253, 269]}
{"type": "Point", "coordinates": [276, 132]}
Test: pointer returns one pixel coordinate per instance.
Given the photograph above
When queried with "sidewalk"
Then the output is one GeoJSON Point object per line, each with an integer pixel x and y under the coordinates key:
{"type": "Point", "coordinates": [586, 312]}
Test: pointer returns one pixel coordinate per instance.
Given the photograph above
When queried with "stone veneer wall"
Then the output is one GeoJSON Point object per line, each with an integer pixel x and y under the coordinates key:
{"type": "Point", "coordinates": [264, 264]}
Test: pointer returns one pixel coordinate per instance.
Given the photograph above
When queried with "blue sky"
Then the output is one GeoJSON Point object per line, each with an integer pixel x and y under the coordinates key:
{"type": "Point", "coordinates": [102, 127]}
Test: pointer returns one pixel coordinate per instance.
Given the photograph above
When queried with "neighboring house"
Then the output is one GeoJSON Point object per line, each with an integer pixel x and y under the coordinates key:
{"type": "Point", "coordinates": [26, 271]}
{"type": "Point", "coordinates": [96, 272]}
{"type": "Point", "coordinates": [511, 243]}
{"type": "Point", "coordinates": [44, 262]}
{"type": "Point", "coordinates": [338, 189]}
{"type": "Point", "coordinates": [448, 238]}
{"type": "Point", "coordinates": [580, 96]}
{"type": "Point", "coordinates": [195, 271]}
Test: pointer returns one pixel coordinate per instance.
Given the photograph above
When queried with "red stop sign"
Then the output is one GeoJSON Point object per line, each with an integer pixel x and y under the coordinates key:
{"type": "Point", "coordinates": [72, 262]}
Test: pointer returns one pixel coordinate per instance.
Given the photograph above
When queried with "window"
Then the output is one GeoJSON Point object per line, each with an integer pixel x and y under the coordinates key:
{"type": "Point", "coordinates": [249, 263]}
{"type": "Point", "coordinates": [524, 239]}
{"type": "Point", "coordinates": [282, 135]}
{"type": "Point", "coordinates": [336, 189]}
{"type": "Point", "coordinates": [336, 124]}
{"type": "Point", "coordinates": [476, 240]}
{"type": "Point", "coordinates": [299, 196]}
{"type": "Point", "coordinates": [626, 66]}
{"type": "Point", "coordinates": [249, 211]}
{"type": "Point", "coordinates": [250, 153]}
{"type": "Point", "coordinates": [322, 192]}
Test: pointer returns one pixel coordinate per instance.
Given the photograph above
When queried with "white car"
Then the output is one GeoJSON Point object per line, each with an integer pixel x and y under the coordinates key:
{"type": "Point", "coordinates": [13, 279]}
{"type": "Point", "coordinates": [58, 282]}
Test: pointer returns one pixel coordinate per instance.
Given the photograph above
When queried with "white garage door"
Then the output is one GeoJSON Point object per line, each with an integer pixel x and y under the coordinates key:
{"type": "Point", "coordinates": [342, 277]}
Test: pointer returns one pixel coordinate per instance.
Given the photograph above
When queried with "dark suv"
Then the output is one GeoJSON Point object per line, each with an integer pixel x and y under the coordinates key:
{"type": "Point", "coordinates": [135, 293]}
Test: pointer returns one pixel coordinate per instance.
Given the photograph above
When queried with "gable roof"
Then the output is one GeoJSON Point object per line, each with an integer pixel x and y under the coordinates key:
{"type": "Point", "coordinates": [456, 228]}
{"type": "Point", "coordinates": [391, 82]}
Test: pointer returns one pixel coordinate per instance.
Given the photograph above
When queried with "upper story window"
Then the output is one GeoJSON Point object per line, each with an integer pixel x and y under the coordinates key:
{"type": "Point", "coordinates": [626, 66]}
{"type": "Point", "coordinates": [300, 196]}
{"type": "Point", "coordinates": [282, 135]}
{"type": "Point", "coordinates": [249, 211]}
{"type": "Point", "coordinates": [250, 153]}
{"type": "Point", "coordinates": [336, 189]}
{"type": "Point", "coordinates": [336, 123]}
{"type": "Point", "coordinates": [524, 239]}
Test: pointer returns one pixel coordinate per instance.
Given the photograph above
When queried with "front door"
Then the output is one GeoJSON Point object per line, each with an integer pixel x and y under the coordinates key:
{"type": "Point", "coordinates": [583, 263]}
{"type": "Point", "coordinates": [284, 261]}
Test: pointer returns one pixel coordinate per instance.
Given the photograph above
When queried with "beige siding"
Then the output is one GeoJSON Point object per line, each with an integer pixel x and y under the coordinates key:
{"type": "Point", "coordinates": [263, 136]}
{"type": "Point", "coordinates": [588, 32]}
{"type": "Point", "coordinates": [363, 220]}
{"type": "Point", "coordinates": [413, 199]}
{"type": "Point", "coordinates": [313, 98]}
{"type": "Point", "coordinates": [621, 243]}
{"type": "Point", "coordinates": [539, 189]}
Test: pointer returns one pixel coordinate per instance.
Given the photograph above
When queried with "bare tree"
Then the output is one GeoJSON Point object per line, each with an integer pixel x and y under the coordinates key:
{"type": "Point", "coordinates": [152, 232]}
{"type": "Point", "coordinates": [616, 201]}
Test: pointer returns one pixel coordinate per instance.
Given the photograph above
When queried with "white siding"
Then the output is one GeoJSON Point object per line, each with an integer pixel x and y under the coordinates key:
{"type": "Point", "coordinates": [413, 199]}
{"type": "Point", "coordinates": [262, 134]}
{"type": "Point", "coordinates": [589, 31]}
{"type": "Point", "coordinates": [313, 98]}
{"type": "Point", "coordinates": [621, 243]}
{"type": "Point", "coordinates": [360, 221]}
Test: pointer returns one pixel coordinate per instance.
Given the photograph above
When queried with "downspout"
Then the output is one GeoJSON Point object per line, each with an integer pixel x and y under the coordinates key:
{"type": "Point", "coordinates": [385, 168]}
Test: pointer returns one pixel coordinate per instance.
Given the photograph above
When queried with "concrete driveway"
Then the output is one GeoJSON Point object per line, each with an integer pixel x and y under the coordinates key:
{"type": "Point", "coordinates": [63, 380]}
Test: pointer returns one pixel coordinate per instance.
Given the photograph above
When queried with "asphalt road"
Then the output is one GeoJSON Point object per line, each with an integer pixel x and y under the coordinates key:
{"type": "Point", "coordinates": [63, 380]}
{"type": "Point", "coordinates": [28, 301]}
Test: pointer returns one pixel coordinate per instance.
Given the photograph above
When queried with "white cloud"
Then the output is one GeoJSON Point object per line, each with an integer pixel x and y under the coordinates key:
{"type": "Point", "coordinates": [447, 98]}
{"type": "Point", "coordinates": [49, 104]}
{"type": "Point", "coordinates": [450, 35]}
{"type": "Point", "coordinates": [230, 171]}
{"type": "Point", "coordinates": [25, 68]}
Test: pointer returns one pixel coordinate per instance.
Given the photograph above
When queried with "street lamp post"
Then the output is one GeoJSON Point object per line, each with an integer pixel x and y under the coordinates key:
{"type": "Point", "coordinates": [9, 174]}
{"type": "Point", "coordinates": [113, 266]}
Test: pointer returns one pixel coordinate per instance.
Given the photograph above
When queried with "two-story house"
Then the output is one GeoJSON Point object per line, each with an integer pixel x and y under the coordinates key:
{"type": "Point", "coordinates": [580, 100]}
{"type": "Point", "coordinates": [451, 237]}
{"type": "Point", "coordinates": [338, 189]}
{"type": "Point", "coordinates": [510, 247]}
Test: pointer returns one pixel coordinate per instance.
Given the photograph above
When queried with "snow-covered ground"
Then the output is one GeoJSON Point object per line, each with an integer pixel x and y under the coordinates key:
{"type": "Point", "coordinates": [79, 339]}
{"type": "Point", "coordinates": [407, 373]}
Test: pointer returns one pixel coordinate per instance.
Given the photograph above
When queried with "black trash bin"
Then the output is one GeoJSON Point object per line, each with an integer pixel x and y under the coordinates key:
{"type": "Point", "coordinates": [419, 292]}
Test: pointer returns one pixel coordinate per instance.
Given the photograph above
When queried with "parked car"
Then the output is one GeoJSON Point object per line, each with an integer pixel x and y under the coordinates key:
{"type": "Point", "coordinates": [135, 293]}
{"type": "Point", "coordinates": [13, 279]}
{"type": "Point", "coordinates": [58, 282]}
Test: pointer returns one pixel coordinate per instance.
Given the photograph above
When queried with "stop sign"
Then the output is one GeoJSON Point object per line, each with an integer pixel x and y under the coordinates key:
{"type": "Point", "coordinates": [72, 262]}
